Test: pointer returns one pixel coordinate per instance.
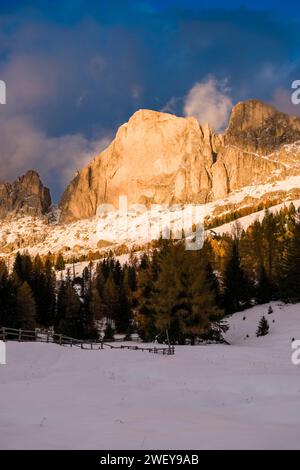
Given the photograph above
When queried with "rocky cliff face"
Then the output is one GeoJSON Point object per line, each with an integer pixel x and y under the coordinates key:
{"type": "Point", "coordinates": [25, 196]}
{"type": "Point", "coordinates": [160, 158]}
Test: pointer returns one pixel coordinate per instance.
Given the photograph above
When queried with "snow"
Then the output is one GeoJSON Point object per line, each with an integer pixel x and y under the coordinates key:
{"type": "Point", "coordinates": [105, 233]}
{"type": "Point", "coordinates": [247, 220]}
{"type": "Point", "coordinates": [242, 396]}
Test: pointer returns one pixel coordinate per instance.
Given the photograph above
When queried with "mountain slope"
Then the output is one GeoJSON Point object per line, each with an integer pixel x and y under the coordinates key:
{"type": "Point", "coordinates": [110, 232]}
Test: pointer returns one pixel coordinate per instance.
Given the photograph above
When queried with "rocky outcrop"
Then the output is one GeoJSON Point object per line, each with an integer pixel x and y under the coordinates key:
{"type": "Point", "coordinates": [258, 127]}
{"type": "Point", "coordinates": [160, 158]}
{"type": "Point", "coordinates": [25, 196]}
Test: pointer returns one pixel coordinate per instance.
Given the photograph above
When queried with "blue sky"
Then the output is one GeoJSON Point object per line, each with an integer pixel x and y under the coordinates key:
{"type": "Point", "coordinates": [77, 69]}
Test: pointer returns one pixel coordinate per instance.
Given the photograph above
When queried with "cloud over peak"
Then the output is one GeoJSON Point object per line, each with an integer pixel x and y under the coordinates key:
{"type": "Point", "coordinates": [209, 101]}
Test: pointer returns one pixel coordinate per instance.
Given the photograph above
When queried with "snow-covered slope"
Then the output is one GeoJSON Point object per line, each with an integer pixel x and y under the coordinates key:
{"type": "Point", "coordinates": [245, 395]}
{"type": "Point", "coordinates": [247, 220]}
{"type": "Point", "coordinates": [38, 235]}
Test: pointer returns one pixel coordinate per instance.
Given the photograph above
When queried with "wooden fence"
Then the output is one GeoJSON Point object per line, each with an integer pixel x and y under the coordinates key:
{"type": "Point", "coordinates": [12, 334]}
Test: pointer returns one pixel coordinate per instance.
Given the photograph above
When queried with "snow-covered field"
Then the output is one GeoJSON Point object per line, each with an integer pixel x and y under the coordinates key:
{"type": "Point", "coordinates": [241, 396]}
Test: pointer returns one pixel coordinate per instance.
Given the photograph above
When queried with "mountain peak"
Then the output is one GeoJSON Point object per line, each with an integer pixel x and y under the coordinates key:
{"type": "Point", "coordinates": [27, 196]}
{"type": "Point", "coordinates": [258, 126]}
{"type": "Point", "coordinates": [160, 158]}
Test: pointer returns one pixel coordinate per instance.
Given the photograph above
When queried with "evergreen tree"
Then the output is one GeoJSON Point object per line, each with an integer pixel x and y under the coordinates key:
{"type": "Point", "coordinates": [183, 299]}
{"type": "Point", "coordinates": [290, 278]}
{"type": "Point", "coordinates": [132, 278]}
{"type": "Point", "coordinates": [263, 327]}
{"type": "Point", "coordinates": [8, 292]}
{"type": "Point", "coordinates": [43, 284]}
{"type": "Point", "coordinates": [117, 272]}
{"type": "Point", "coordinates": [68, 320]}
{"type": "Point", "coordinates": [270, 310]}
{"type": "Point", "coordinates": [92, 310]}
{"type": "Point", "coordinates": [236, 283]}
{"type": "Point", "coordinates": [25, 307]}
{"type": "Point", "coordinates": [264, 291]}
{"type": "Point", "coordinates": [111, 298]}
{"type": "Point", "coordinates": [22, 269]}
{"type": "Point", "coordinates": [60, 263]}
{"type": "Point", "coordinates": [123, 314]}
{"type": "Point", "coordinates": [147, 275]}
{"type": "Point", "coordinates": [47, 318]}
{"type": "Point", "coordinates": [270, 228]}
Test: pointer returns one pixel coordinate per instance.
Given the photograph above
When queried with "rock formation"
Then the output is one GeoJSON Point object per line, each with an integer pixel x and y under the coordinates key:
{"type": "Point", "coordinates": [160, 158]}
{"type": "Point", "coordinates": [26, 196]}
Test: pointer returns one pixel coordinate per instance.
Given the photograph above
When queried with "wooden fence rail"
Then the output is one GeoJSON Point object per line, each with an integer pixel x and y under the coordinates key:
{"type": "Point", "coordinates": [13, 334]}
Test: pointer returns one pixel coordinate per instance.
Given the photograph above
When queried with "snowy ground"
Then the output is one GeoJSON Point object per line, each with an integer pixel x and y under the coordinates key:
{"type": "Point", "coordinates": [245, 395]}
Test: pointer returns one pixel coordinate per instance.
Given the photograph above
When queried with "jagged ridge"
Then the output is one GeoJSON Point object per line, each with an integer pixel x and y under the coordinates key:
{"type": "Point", "coordinates": [25, 196]}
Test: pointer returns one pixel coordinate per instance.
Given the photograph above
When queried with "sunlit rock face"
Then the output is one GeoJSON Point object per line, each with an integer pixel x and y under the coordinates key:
{"type": "Point", "coordinates": [164, 159]}
{"type": "Point", "coordinates": [25, 196]}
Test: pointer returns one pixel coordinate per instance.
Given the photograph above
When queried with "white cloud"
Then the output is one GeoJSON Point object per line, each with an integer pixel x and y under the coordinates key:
{"type": "Point", "coordinates": [170, 106]}
{"type": "Point", "coordinates": [24, 147]}
{"type": "Point", "coordinates": [209, 101]}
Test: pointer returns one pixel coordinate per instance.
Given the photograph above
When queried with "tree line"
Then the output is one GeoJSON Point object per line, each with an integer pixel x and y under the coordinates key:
{"type": "Point", "coordinates": [168, 293]}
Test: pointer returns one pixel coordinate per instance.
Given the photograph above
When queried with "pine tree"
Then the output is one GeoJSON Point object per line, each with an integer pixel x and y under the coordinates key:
{"type": "Point", "coordinates": [290, 277]}
{"type": "Point", "coordinates": [236, 284]}
{"type": "Point", "coordinates": [263, 327]}
{"type": "Point", "coordinates": [131, 278]}
{"type": "Point", "coordinates": [25, 307]}
{"type": "Point", "coordinates": [47, 318]}
{"type": "Point", "coordinates": [270, 310]}
{"type": "Point", "coordinates": [117, 273]}
{"type": "Point", "coordinates": [43, 284]}
{"type": "Point", "coordinates": [92, 311]}
{"type": "Point", "coordinates": [183, 298]}
{"type": "Point", "coordinates": [22, 269]}
{"type": "Point", "coordinates": [270, 228]}
{"type": "Point", "coordinates": [147, 275]}
{"type": "Point", "coordinates": [264, 287]}
{"type": "Point", "coordinates": [68, 320]}
{"type": "Point", "coordinates": [8, 292]}
{"type": "Point", "coordinates": [60, 263]}
{"type": "Point", "coordinates": [111, 298]}
{"type": "Point", "coordinates": [123, 315]}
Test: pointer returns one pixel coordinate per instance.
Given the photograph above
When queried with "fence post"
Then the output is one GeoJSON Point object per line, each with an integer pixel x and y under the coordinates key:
{"type": "Point", "coordinates": [71, 342]}
{"type": "Point", "coordinates": [60, 339]}
{"type": "Point", "coordinates": [20, 334]}
{"type": "Point", "coordinates": [3, 333]}
{"type": "Point", "coordinates": [101, 345]}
